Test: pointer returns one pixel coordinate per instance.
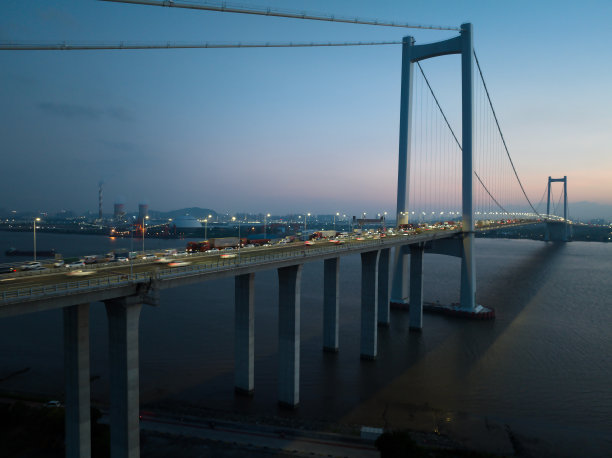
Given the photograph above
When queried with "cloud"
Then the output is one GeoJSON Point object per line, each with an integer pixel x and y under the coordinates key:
{"type": "Point", "coordinates": [123, 146]}
{"type": "Point", "coordinates": [73, 111]}
{"type": "Point", "coordinates": [127, 153]}
{"type": "Point", "coordinates": [70, 111]}
{"type": "Point", "coordinates": [119, 113]}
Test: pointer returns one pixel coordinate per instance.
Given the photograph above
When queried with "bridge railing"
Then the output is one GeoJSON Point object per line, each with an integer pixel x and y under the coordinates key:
{"type": "Point", "coordinates": [75, 287]}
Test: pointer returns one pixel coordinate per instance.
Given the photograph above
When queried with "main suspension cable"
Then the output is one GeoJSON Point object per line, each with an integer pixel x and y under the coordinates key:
{"type": "Point", "coordinates": [22, 46]}
{"type": "Point", "coordinates": [225, 7]}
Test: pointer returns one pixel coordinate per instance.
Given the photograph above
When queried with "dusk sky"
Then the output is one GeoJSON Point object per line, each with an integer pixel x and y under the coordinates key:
{"type": "Point", "coordinates": [284, 130]}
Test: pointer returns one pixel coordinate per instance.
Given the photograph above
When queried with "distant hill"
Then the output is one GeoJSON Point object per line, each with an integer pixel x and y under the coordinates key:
{"type": "Point", "coordinates": [589, 210]}
{"type": "Point", "coordinates": [196, 212]}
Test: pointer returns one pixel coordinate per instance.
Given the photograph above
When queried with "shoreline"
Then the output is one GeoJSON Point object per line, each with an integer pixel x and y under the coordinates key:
{"type": "Point", "coordinates": [431, 428]}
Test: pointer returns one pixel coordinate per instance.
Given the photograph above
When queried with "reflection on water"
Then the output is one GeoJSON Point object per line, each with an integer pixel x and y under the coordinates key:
{"type": "Point", "coordinates": [545, 360]}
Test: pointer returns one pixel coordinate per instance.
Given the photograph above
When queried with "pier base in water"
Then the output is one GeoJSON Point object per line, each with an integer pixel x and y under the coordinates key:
{"type": "Point", "coordinates": [480, 312]}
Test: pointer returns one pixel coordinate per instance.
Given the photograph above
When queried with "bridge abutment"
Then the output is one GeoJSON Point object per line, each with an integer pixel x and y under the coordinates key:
{"type": "Point", "coordinates": [369, 304]}
{"type": "Point", "coordinates": [76, 374]}
{"type": "Point", "coordinates": [289, 287]}
{"type": "Point", "coordinates": [557, 231]}
{"type": "Point", "coordinates": [244, 333]}
{"type": "Point", "coordinates": [331, 302]}
{"type": "Point", "coordinates": [123, 317]}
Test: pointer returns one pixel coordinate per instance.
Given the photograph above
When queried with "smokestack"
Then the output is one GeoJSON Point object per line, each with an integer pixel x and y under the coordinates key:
{"type": "Point", "coordinates": [100, 200]}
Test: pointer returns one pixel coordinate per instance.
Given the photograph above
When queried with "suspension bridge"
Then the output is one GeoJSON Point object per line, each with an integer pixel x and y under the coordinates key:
{"type": "Point", "coordinates": [466, 179]}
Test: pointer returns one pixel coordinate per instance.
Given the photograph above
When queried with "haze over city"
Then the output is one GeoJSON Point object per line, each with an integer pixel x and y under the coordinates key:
{"type": "Point", "coordinates": [284, 130]}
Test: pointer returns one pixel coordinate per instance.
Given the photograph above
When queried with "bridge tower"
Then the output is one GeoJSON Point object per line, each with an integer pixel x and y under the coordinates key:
{"type": "Point", "coordinates": [557, 231]}
{"type": "Point", "coordinates": [411, 53]}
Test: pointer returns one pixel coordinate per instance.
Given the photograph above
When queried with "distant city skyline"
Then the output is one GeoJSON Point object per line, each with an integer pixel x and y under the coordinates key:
{"type": "Point", "coordinates": [284, 130]}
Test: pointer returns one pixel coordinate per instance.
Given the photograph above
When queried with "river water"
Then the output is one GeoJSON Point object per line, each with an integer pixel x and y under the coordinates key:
{"type": "Point", "coordinates": [544, 365]}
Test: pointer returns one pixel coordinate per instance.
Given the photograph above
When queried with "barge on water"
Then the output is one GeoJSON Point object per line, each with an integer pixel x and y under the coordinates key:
{"type": "Point", "coordinates": [15, 252]}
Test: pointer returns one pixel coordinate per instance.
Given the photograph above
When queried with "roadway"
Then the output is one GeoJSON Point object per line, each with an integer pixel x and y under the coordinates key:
{"type": "Point", "coordinates": [53, 275]}
{"type": "Point", "coordinates": [124, 279]}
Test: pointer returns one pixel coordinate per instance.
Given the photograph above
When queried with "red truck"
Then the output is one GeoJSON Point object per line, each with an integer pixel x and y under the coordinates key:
{"type": "Point", "coordinates": [219, 243]}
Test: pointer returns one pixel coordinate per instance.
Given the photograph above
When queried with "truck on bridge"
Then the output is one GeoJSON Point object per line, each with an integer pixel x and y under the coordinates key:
{"type": "Point", "coordinates": [219, 243]}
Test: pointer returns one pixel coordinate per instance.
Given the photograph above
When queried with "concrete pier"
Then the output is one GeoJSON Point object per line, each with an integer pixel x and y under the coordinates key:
{"type": "Point", "coordinates": [399, 291]}
{"type": "Point", "coordinates": [416, 287]}
{"type": "Point", "coordinates": [123, 316]}
{"type": "Point", "coordinates": [244, 338]}
{"type": "Point", "coordinates": [369, 304]}
{"type": "Point", "coordinates": [289, 288]}
{"type": "Point", "coordinates": [383, 287]}
{"type": "Point", "coordinates": [331, 303]}
{"type": "Point", "coordinates": [76, 378]}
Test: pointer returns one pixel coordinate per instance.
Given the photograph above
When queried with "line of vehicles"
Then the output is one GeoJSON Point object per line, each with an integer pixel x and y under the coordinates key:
{"type": "Point", "coordinates": [225, 245]}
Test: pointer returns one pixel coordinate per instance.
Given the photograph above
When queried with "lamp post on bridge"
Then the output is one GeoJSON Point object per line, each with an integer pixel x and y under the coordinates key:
{"type": "Point", "coordinates": [144, 231]}
{"type": "Point", "coordinates": [305, 220]}
{"type": "Point", "coordinates": [265, 225]}
{"type": "Point", "coordinates": [35, 221]}
{"type": "Point", "coordinates": [131, 244]}
{"type": "Point", "coordinates": [239, 241]}
{"type": "Point", "coordinates": [337, 214]}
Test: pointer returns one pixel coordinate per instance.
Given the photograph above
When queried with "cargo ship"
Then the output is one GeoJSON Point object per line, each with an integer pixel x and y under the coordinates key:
{"type": "Point", "coordinates": [15, 252]}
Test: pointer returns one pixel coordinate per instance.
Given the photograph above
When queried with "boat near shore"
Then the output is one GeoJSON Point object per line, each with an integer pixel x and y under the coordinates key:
{"type": "Point", "coordinates": [15, 252]}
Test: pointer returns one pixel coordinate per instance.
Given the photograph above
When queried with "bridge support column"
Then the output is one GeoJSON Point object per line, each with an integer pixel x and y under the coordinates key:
{"type": "Point", "coordinates": [416, 286]}
{"type": "Point", "coordinates": [331, 301]}
{"type": "Point", "coordinates": [383, 287]}
{"type": "Point", "coordinates": [399, 289]}
{"type": "Point", "coordinates": [369, 304]}
{"type": "Point", "coordinates": [76, 373]}
{"type": "Point", "coordinates": [289, 288]}
{"type": "Point", "coordinates": [123, 316]}
{"type": "Point", "coordinates": [468, 270]}
{"type": "Point", "coordinates": [244, 338]}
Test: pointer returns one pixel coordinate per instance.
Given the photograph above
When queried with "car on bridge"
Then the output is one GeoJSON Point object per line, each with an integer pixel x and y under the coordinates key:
{"type": "Point", "coordinates": [32, 265]}
{"type": "Point", "coordinates": [80, 273]}
{"type": "Point", "coordinates": [79, 263]}
{"type": "Point", "coordinates": [178, 263]}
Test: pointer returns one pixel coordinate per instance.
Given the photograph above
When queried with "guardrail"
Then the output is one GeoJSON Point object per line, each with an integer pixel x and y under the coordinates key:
{"type": "Point", "coordinates": [74, 287]}
{"type": "Point", "coordinates": [248, 259]}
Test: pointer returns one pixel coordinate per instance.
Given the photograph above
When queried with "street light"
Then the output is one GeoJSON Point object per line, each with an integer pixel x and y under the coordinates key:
{"type": "Point", "coordinates": [131, 244]}
{"type": "Point", "coordinates": [305, 220]}
{"type": "Point", "coordinates": [144, 231]}
{"type": "Point", "coordinates": [35, 220]}
{"type": "Point", "coordinates": [265, 225]}
{"type": "Point", "coordinates": [206, 229]}
{"type": "Point", "coordinates": [234, 219]}
{"type": "Point", "coordinates": [337, 214]}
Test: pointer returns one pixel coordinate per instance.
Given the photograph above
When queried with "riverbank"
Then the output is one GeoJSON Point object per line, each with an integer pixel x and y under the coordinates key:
{"type": "Point", "coordinates": [440, 433]}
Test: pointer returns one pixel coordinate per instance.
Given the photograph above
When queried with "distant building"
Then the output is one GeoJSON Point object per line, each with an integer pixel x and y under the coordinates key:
{"type": "Point", "coordinates": [119, 213]}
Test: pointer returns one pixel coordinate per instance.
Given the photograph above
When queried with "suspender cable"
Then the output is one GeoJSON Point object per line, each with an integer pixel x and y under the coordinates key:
{"type": "Point", "coordinates": [484, 84]}
{"type": "Point", "coordinates": [455, 137]}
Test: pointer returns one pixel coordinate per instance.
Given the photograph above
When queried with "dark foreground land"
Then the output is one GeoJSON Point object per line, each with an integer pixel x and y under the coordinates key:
{"type": "Point", "coordinates": [30, 429]}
